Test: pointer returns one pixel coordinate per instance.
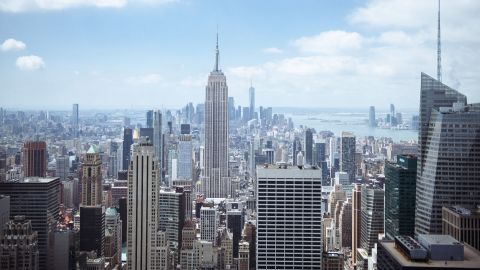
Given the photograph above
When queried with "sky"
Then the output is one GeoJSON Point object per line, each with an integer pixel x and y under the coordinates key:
{"type": "Point", "coordinates": [138, 54]}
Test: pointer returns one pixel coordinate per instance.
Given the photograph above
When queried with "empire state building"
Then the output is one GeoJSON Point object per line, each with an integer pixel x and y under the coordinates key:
{"type": "Point", "coordinates": [215, 180]}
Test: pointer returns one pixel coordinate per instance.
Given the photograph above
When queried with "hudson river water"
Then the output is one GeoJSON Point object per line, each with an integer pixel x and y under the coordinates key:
{"type": "Point", "coordinates": [338, 120]}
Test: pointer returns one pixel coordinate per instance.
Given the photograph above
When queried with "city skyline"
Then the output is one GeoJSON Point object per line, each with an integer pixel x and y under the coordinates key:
{"type": "Point", "coordinates": [330, 52]}
{"type": "Point", "coordinates": [234, 178]}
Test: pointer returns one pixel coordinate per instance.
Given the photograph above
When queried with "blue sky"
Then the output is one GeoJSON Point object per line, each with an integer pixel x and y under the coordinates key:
{"type": "Point", "coordinates": [158, 53]}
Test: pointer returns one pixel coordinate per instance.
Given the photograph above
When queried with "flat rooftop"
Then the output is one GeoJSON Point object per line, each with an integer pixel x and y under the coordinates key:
{"type": "Point", "coordinates": [37, 179]}
{"type": "Point", "coordinates": [471, 259]}
{"type": "Point", "coordinates": [464, 212]}
{"type": "Point", "coordinates": [439, 239]}
{"type": "Point", "coordinates": [286, 171]}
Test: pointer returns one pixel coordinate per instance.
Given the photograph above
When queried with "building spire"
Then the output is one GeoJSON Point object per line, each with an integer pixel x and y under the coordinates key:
{"type": "Point", "coordinates": [217, 53]}
{"type": "Point", "coordinates": [439, 48]}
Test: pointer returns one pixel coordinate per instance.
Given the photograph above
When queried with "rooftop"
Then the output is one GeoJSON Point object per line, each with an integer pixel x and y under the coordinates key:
{"type": "Point", "coordinates": [93, 149]}
{"type": "Point", "coordinates": [439, 239]}
{"type": "Point", "coordinates": [471, 259]}
{"type": "Point", "coordinates": [464, 212]}
{"type": "Point", "coordinates": [111, 211]}
{"type": "Point", "coordinates": [37, 179]}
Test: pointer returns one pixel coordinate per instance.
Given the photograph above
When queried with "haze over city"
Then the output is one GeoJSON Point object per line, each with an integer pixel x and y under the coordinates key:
{"type": "Point", "coordinates": [239, 135]}
{"type": "Point", "coordinates": [343, 54]}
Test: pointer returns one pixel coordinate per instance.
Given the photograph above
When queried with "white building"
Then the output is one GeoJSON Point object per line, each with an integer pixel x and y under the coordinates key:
{"type": "Point", "coordinates": [184, 163]}
{"type": "Point", "coordinates": [209, 221]}
{"type": "Point", "coordinates": [170, 203]}
{"type": "Point", "coordinates": [289, 222]}
{"type": "Point", "coordinates": [142, 212]}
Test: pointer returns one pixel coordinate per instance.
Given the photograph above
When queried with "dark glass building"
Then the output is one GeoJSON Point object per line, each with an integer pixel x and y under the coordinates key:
{"type": "Point", "coordinates": [309, 146]}
{"type": "Point", "coordinates": [400, 186]}
{"type": "Point", "coordinates": [37, 199]}
{"type": "Point", "coordinates": [448, 164]}
{"type": "Point", "coordinates": [127, 142]}
{"type": "Point", "coordinates": [319, 153]}
{"type": "Point", "coordinates": [149, 119]}
{"type": "Point", "coordinates": [92, 229]}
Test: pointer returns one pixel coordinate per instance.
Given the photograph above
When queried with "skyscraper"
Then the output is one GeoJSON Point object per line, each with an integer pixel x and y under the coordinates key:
{"type": "Point", "coordinates": [371, 117]}
{"type": "Point", "coordinates": [62, 167]}
{"type": "Point", "coordinates": [345, 224]}
{"type": "Point", "coordinates": [142, 227]}
{"type": "Point", "coordinates": [92, 229]}
{"type": "Point", "coordinates": [158, 137]}
{"type": "Point", "coordinates": [319, 153]}
{"type": "Point", "coordinates": [215, 174]}
{"type": "Point", "coordinates": [171, 216]}
{"type": "Point", "coordinates": [34, 158]}
{"type": "Point", "coordinates": [37, 199]}
{"type": "Point", "coordinates": [371, 216]}
{"type": "Point", "coordinates": [184, 157]}
{"type": "Point", "coordinates": [92, 178]}
{"type": "Point", "coordinates": [3, 163]}
{"type": "Point", "coordinates": [356, 220]}
{"type": "Point", "coordinates": [449, 141]}
{"type": "Point", "coordinates": [251, 91]}
{"type": "Point", "coordinates": [92, 213]}
{"type": "Point", "coordinates": [127, 142]}
{"type": "Point", "coordinates": [347, 156]}
{"type": "Point", "coordinates": [290, 238]}
{"type": "Point", "coordinates": [309, 146]}
{"type": "Point", "coordinates": [113, 236]}
{"type": "Point", "coordinates": [75, 120]}
{"type": "Point", "coordinates": [149, 119]}
{"type": "Point", "coordinates": [235, 223]}
{"type": "Point", "coordinates": [400, 179]}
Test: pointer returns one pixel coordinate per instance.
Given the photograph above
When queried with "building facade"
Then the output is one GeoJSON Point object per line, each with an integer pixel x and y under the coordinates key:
{"type": "Point", "coordinates": [184, 163]}
{"type": "Point", "coordinates": [92, 178]}
{"type": "Point", "coordinates": [449, 141]}
{"type": "Point", "coordinates": [372, 215]}
{"type": "Point", "coordinates": [215, 181]}
{"type": "Point", "coordinates": [347, 155]}
{"type": "Point", "coordinates": [37, 199]}
{"type": "Point", "coordinates": [142, 208]}
{"type": "Point", "coordinates": [35, 158]}
{"type": "Point", "coordinates": [18, 245]}
{"type": "Point", "coordinates": [463, 224]}
{"type": "Point", "coordinates": [289, 224]}
{"type": "Point", "coordinates": [400, 188]}
{"type": "Point", "coordinates": [127, 142]}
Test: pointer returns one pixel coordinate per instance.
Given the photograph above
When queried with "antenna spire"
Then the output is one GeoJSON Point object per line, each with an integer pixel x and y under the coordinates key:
{"type": "Point", "coordinates": [217, 53]}
{"type": "Point", "coordinates": [439, 48]}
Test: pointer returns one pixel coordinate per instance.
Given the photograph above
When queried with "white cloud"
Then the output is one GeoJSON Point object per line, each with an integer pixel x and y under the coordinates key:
{"type": "Point", "coordinates": [157, 2]}
{"type": "Point", "coordinates": [246, 72]}
{"type": "Point", "coordinates": [30, 62]}
{"type": "Point", "coordinates": [311, 65]}
{"type": "Point", "coordinates": [13, 45]}
{"type": "Point", "coordinates": [272, 50]}
{"type": "Point", "coordinates": [145, 79]}
{"type": "Point", "coordinates": [330, 42]}
{"type": "Point", "coordinates": [194, 81]}
{"type": "Point", "coordinates": [34, 5]}
{"type": "Point", "coordinates": [378, 57]}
